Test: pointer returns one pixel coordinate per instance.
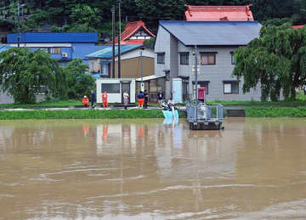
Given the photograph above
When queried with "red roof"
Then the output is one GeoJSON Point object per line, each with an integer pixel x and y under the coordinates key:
{"type": "Point", "coordinates": [297, 26]}
{"type": "Point", "coordinates": [130, 29]}
{"type": "Point", "coordinates": [219, 13]}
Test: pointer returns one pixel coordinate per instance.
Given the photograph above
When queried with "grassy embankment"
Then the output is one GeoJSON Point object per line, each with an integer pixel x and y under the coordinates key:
{"type": "Point", "coordinates": [300, 101]}
{"type": "Point", "coordinates": [275, 112]}
{"type": "Point", "coordinates": [45, 104]}
{"type": "Point", "coordinates": [288, 108]}
{"type": "Point", "coordinates": [295, 108]}
{"type": "Point", "coordinates": [81, 114]}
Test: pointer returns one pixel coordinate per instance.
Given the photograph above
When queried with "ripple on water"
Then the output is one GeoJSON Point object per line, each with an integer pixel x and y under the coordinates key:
{"type": "Point", "coordinates": [283, 211]}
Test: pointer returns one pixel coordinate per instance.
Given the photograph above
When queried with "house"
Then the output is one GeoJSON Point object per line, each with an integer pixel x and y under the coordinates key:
{"type": "Point", "coordinates": [134, 33]}
{"type": "Point", "coordinates": [131, 58]}
{"type": "Point", "coordinates": [219, 13]}
{"type": "Point", "coordinates": [137, 61]}
{"type": "Point", "coordinates": [62, 46]}
{"type": "Point", "coordinates": [215, 41]}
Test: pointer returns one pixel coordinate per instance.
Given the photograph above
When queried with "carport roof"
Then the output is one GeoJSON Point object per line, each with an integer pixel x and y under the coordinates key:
{"type": "Point", "coordinates": [107, 52]}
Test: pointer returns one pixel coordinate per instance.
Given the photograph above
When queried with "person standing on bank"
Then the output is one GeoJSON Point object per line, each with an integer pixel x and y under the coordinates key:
{"type": "Point", "coordinates": [140, 97]}
{"type": "Point", "coordinates": [171, 106]}
{"type": "Point", "coordinates": [92, 98]}
{"type": "Point", "coordinates": [104, 99]}
{"type": "Point", "coordinates": [85, 102]}
{"type": "Point", "coordinates": [126, 97]}
{"type": "Point", "coordinates": [160, 97]}
{"type": "Point", "coordinates": [146, 99]}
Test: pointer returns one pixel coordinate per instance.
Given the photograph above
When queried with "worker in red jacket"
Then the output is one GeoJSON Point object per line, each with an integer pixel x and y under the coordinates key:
{"type": "Point", "coordinates": [85, 101]}
{"type": "Point", "coordinates": [104, 99]}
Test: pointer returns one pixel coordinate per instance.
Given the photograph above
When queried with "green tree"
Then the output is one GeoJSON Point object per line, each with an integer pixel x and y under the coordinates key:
{"type": "Point", "coordinates": [149, 43]}
{"type": "Point", "coordinates": [79, 83]}
{"type": "Point", "coordinates": [24, 72]}
{"type": "Point", "coordinates": [86, 16]}
{"type": "Point", "coordinates": [276, 60]}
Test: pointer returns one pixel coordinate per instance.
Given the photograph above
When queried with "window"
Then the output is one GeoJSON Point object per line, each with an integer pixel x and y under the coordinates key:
{"type": "Point", "coordinates": [231, 87]}
{"type": "Point", "coordinates": [110, 87]}
{"type": "Point", "coordinates": [160, 58]}
{"type": "Point", "coordinates": [55, 50]}
{"type": "Point", "coordinates": [208, 58]}
{"type": "Point", "coordinates": [203, 84]}
{"type": "Point", "coordinates": [233, 60]}
{"type": "Point", "coordinates": [184, 58]}
{"type": "Point", "coordinates": [104, 70]}
{"type": "Point", "coordinates": [92, 66]}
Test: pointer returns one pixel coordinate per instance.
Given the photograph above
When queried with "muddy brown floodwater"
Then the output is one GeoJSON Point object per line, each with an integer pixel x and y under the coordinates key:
{"type": "Point", "coordinates": [143, 169]}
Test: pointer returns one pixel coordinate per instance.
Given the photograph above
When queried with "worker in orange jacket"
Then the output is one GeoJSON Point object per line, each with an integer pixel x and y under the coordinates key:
{"type": "Point", "coordinates": [85, 101]}
{"type": "Point", "coordinates": [104, 99]}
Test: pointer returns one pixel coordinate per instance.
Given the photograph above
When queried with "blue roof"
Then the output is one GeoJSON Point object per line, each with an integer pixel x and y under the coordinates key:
{"type": "Point", "coordinates": [4, 48]}
{"type": "Point", "coordinates": [216, 33]}
{"type": "Point", "coordinates": [108, 51]}
{"type": "Point", "coordinates": [54, 38]}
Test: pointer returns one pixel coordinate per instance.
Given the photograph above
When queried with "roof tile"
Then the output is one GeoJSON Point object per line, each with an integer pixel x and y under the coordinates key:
{"type": "Point", "coordinates": [219, 13]}
{"type": "Point", "coordinates": [130, 29]}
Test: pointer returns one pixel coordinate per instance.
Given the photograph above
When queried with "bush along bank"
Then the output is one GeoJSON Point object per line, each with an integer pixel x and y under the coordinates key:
{"type": "Point", "coordinates": [275, 112]}
{"type": "Point", "coordinates": [81, 114]}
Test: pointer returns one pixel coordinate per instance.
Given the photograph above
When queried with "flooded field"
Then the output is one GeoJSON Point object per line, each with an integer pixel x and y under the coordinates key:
{"type": "Point", "coordinates": [143, 169]}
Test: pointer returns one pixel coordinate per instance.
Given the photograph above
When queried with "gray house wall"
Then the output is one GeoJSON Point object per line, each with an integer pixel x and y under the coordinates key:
{"type": "Point", "coordinates": [162, 45]}
{"type": "Point", "coordinates": [5, 98]}
{"type": "Point", "coordinates": [168, 44]}
{"type": "Point", "coordinates": [215, 74]}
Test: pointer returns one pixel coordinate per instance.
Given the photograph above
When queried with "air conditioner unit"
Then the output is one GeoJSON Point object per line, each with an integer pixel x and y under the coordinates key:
{"type": "Point", "coordinates": [65, 55]}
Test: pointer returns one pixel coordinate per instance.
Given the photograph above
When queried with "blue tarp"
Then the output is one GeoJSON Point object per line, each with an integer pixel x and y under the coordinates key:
{"type": "Point", "coordinates": [169, 115]}
{"type": "Point", "coordinates": [213, 33]}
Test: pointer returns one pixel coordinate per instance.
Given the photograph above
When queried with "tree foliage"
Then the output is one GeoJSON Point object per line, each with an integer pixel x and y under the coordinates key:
{"type": "Point", "coordinates": [24, 72]}
{"type": "Point", "coordinates": [68, 15]}
{"type": "Point", "coordinates": [149, 43]}
{"type": "Point", "coordinates": [276, 60]}
{"type": "Point", "coordinates": [78, 82]}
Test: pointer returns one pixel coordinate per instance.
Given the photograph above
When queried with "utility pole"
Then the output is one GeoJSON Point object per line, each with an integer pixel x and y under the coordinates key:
{"type": "Point", "coordinates": [18, 29]}
{"type": "Point", "coordinates": [113, 39]}
{"type": "Point", "coordinates": [141, 70]}
{"type": "Point", "coordinates": [196, 83]}
{"type": "Point", "coordinates": [119, 42]}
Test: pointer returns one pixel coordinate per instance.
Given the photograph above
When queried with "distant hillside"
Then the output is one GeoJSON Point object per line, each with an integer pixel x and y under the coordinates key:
{"type": "Point", "coordinates": [95, 15]}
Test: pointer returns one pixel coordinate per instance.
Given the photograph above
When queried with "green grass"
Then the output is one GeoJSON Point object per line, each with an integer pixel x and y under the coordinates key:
{"type": "Point", "coordinates": [275, 112]}
{"type": "Point", "coordinates": [262, 104]}
{"type": "Point", "coordinates": [81, 114]}
{"type": "Point", "coordinates": [300, 101]}
{"type": "Point", "coordinates": [52, 103]}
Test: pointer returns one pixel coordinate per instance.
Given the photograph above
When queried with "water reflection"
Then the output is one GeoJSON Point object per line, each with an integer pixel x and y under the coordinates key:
{"type": "Point", "coordinates": [148, 169]}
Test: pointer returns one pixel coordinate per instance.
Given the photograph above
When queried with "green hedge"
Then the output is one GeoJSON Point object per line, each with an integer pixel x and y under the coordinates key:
{"type": "Point", "coordinates": [275, 112]}
{"type": "Point", "coordinates": [81, 114]}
